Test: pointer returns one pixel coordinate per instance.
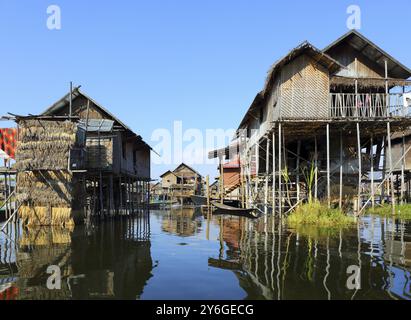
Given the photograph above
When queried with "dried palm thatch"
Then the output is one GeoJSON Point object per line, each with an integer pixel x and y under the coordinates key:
{"type": "Point", "coordinates": [44, 145]}
{"type": "Point", "coordinates": [46, 216]}
{"type": "Point", "coordinates": [45, 236]}
{"type": "Point", "coordinates": [45, 188]}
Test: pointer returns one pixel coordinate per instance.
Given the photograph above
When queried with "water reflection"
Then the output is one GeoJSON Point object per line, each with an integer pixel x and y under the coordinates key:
{"type": "Point", "coordinates": [187, 254]}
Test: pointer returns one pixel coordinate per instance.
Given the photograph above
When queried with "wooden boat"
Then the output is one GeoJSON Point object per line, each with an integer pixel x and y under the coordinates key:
{"type": "Point", "coordinates": [202, 201]}
{"type": "Point", "coordinates": [226, 209]}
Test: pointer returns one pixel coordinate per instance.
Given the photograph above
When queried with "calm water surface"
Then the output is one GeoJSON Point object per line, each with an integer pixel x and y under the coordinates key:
{"type": "Point", "coordinates": [183, 255]}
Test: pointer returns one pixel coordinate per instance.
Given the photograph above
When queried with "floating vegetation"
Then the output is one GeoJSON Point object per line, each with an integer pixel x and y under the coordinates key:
{"type": "Point", "coordinates": [402, 211]}
{"type": "Point", "coordinates": [316, 213]}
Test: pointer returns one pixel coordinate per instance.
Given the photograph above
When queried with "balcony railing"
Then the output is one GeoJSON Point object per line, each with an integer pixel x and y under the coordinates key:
{"type": "Point", "coordinates": [367, 106]}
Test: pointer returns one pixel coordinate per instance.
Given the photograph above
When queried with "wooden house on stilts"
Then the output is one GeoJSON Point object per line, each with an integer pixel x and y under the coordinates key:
{"type": "Point", "coordinates": [322, 128]}
{"type": "Point", "coordinates": [77, 161]}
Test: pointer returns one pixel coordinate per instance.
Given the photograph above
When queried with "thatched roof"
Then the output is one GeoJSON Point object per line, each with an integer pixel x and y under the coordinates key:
{"type": "Point", "coordinates": [372, 52]}
{"type": "Point", "coordinates": [62, 103]}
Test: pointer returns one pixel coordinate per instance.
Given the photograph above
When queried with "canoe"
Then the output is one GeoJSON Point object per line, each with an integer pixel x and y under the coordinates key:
{"type": "Point", "coordinates": [202, 201]}
{"type": "Point", "coordinates": [226, 209]}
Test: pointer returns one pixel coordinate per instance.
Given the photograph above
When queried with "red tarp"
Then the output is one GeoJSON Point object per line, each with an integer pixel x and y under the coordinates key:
{"type": "Point", "coordinates": [8, 138]}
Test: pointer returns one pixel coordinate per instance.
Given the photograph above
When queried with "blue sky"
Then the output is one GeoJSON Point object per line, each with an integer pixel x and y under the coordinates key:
{"type": "Point", "coordinates": [153, 62]}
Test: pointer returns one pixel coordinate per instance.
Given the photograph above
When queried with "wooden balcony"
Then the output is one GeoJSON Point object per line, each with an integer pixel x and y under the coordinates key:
{"type": "Point", "coordinates": [368, 106]}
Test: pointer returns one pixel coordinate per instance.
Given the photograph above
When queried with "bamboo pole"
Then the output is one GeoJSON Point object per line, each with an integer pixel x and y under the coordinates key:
{"type": "Point", "coordinates": [208, 190]}
{"type": "Point", "coordinates": [402, 170]}
{"type": "Point", "coordinates": [328, 166]}
{"type": "Point", "coordinates": [280, 196]}
{"type": "Point", "coordinates": [391, 167]}
{"type": "Point", "coordinates": [384, 180]}
{"type": "Point", "coordinates": [298, 170]}
{"type": "Point", "coordinates": [274, 174]}
{"type": "Point", "coordinates": [316, 169]}
{"type": "Point", "coordinates": [341, 169]}
{"type": "Point", "coordinates": [359, 165]}
{"type": "Point", "coordinates": [221, 180]}
{"type": "Point", "coordinates": [267, 169]}
{"type": "Point", "coordinates": [257, 168]}
{"type": "Point", "coordinates": [100, 184]}
{"type": "Point", "coordinates": [372, 171]}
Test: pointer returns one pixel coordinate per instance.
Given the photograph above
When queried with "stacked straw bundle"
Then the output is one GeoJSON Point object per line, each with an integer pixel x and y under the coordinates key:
{"type": "Point", "coordinates": [45, 187]}
{"type": "Point", "coordinates": [44, 145]}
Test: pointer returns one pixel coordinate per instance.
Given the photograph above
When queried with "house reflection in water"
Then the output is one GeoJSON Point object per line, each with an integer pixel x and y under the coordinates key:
{"type": "Point", "coordinates": [182, 221]}
{"type": "Point", "coordinates": [112, 261]}
{"type": "Point", "coordinates": [272, 261]}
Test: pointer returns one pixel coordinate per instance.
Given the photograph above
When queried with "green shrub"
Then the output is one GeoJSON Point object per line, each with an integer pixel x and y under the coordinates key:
{"type": "Point", "coordinates": [402, 211]}
{"type": "Point", "coordinates": [319, 214]}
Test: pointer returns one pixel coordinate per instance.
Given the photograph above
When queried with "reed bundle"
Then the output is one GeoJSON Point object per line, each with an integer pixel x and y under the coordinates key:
{"type": "Point", "coordinates": [44, 145]}
{"type": "Point", "coordinates": [46, 216]}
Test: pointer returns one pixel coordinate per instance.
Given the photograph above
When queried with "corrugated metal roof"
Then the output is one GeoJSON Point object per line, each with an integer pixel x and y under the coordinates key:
{"type": "Point", "coordinates": [97, 125]}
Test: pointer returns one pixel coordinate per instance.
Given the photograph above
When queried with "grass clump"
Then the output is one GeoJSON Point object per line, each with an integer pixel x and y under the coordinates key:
{"type": "Point", "coordinates": [318, 214]}
{"type": "Point", "coordinates": [402, 211]}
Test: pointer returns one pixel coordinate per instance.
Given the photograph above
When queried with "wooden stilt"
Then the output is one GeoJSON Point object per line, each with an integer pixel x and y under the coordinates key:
{"type": "Point", "coordinates": [372, 171]}
{"type": "Point", "coordinates": [267, 169]}
{"type": "Point", "coordinates": [208, 190]}
{"type": "Point", "coordinates": [221, 180]}
{"type": "Point", "coordinates": [298, 170]}
{"type": "Point", "coordinates": [280, 194]}
{"type": "Point", "coordinates": [391, 167]}
{"type": "Point", "coordinates": [316, 170]}
{"type": "Point", "coordinates": [100, 184]}
{"type": "Point", "coordinates": [257, 168]}
{"type": "Point", "coordinates": [328, 166]}
{"type": "Point", "coordinates": [111, 195]}
{"type": "Point", "coordinates": [403, 169]}
{"type": "Point", "coordinates": [274, 175]}
{"type": "Point", "coordinates": [341, 169]}
{"type": "Point", "coordinates": [359, 165]}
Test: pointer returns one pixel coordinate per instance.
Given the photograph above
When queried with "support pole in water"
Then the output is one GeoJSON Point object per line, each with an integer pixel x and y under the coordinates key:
{"type": "Point", "coordinates": [280, 195]}
{"type": "Point", "coordinates": [328, 166]}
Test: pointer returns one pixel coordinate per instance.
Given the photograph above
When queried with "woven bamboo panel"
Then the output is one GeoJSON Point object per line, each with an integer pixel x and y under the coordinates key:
{"type": "Point", "coordinates": [100, 153]}
{"type": "Point", "coordinates": [304, 90]}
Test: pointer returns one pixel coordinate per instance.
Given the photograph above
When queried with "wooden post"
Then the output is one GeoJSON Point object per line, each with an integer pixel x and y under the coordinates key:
{"type": "Point", "coordinates": [257, 168]}
{"type": "Point", "coordinates": [208, 190]}
{"type": "Point", "coordinates": [100, 184]}
{"type": "Point", "coordinates": [403, 169]}
{"type": "Point", "coordinates": [267, 169]}
{"type": "Point", "coordinates": [111, 194]}
{"type": "Point", "coordinates": [359, 165]}
{"type": "Point", "coordinates": [372, 171]}
{"type": "Point", "coordinates": [280, 194]}
{"type": "Point", "coordinates": [384, 170]}
{"type": "Point", "coordinates": [221, 180]}
{"type": "Point", "coordinates": [316, 169]}
{"type": "Point", "coordinates": [341, 169]}
{"type": "Point", "coordinates": [391, 167]}
{"type": "Point", "coordinates": [298, 170]}
{"type": "Point", "coordinates": [71, 100]}
{"type": "Point", "coordinates": [328, 166]}
{"type": "Point", "coordinates": [121, 195]}
{"type": "Point", "coordinates": [274, 174]}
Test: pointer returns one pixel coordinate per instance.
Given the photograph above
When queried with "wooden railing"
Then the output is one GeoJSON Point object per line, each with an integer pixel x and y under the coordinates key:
{"type": "Point", "coordinates": [367, 106]}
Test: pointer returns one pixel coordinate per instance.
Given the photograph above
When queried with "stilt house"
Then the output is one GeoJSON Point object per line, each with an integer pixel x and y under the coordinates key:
{"type": "Point", "coordinates": [321, 128]}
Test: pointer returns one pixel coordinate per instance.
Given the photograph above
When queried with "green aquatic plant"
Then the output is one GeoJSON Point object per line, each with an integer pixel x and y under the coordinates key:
{"type": "Point", "coordinates": [316, 213]}
{"type": "Point", "coordinates": [309, 175]}
{"type": "Point", "coordinates": [402, 211]}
